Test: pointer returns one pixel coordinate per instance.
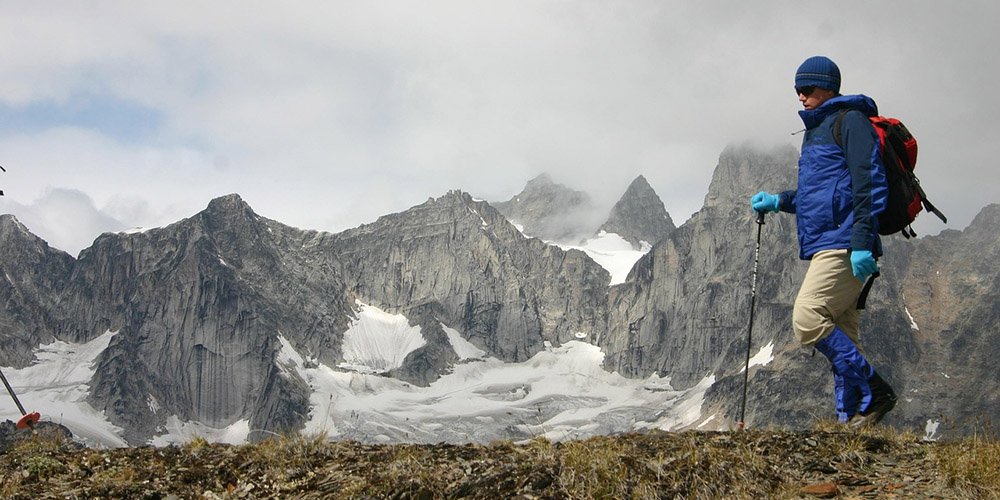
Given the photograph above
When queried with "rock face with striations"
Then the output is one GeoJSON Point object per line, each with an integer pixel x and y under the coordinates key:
{"type": "Point", "coordinates": [201, 309]}
{"type": "Point", "coordinates": [460, 262]}
{"type": "Point", "coordinates": [639, 216]}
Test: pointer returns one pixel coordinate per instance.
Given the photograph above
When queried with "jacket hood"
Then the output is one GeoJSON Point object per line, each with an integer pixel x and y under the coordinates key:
{"type": "Point", "coordinates": [813, 117]}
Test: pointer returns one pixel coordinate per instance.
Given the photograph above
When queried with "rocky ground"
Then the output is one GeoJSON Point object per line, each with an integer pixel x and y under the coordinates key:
{"type": "Point", "coordinates": [825, 462]}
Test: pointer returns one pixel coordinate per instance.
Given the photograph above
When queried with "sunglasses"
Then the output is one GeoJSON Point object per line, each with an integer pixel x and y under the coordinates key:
{"type": "Point", "coordinates": [806, 90]}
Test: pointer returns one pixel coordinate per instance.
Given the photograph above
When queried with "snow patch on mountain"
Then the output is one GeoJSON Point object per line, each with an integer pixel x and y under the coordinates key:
{"type": "Point", "coordinates": [519, 227]}
{"type": "Point", "coordinates": [462, 347]}
{"type": "Point", "coordinates": [377, 341]}
{"type": "Point", "coordinates": [913, 323]}
{"type": "Point", "coordinates": [764, 356]}
{"type": "Point", "coordinates": [609, 250]}
{"type": "Point", "coordinates": [612, 252]}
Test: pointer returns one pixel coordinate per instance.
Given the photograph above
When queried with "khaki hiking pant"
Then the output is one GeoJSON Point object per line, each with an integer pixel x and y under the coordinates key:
{"type": "Point", "coordinates": [828, 298]}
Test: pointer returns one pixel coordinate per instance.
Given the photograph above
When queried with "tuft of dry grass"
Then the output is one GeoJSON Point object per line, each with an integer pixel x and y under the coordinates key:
{"type": "Point", "coordinates": [972, 466]}
{"type": "Point", "coordinates": [600, 468]}
{"type": "Point", "coordinates": [758, 463]}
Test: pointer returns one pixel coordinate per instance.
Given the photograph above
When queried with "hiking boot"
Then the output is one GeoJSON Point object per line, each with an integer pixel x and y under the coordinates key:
{"type": "Point", "coordinates": [883, 400]}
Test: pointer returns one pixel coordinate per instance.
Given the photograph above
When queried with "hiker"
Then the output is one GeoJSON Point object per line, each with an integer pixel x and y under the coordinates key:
{"type": "Point", "coordinates": [841, 191]}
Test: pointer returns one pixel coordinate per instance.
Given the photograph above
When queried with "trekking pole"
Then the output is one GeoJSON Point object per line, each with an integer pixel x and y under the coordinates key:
{"type": "Point", "coordinates": [27, 419]}
{"type": "Point", "coordinates": [753, 301]}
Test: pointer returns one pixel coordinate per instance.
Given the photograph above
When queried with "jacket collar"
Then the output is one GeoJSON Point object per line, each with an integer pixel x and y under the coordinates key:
{"type": "Point", "coordinates": [813, 117]}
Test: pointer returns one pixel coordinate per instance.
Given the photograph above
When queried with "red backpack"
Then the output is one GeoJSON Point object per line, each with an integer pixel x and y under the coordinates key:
{"type": "Point", "coordinates": [898, 149]}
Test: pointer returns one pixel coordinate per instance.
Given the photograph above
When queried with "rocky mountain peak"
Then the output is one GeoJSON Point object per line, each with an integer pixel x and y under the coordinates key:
{"type": "Point", "coordinates": [234, 227]}
{"type": "Point", "coordinates": [980, 240]}
{"type": "Point", "coordinates": [639, 216]}
{"type": "Point", "coordinates": [543, 186]}
{"type": "Point", "coordinates": [229, 208]}
{"type": "Point", "coordinates": [13, 229]}
{"type": "Point", "coordinates": [988, 218]}
{"type": "Point", "coordinates": [16, 239]}
{"type": "Point", "coordinates": [551, 211]}
{"type": "Point", "coordinates": [453, 206]}
{"type": "Point", "coordinates": [9, 221]}
{"type": "Point", "coordinates": [455, 197]}
{"type": "Point", "coordinates": [639, 187]}
{"type": "Point", "coordinates": [744, 170]}
{"type": "Point", "coordinates": [540, 183]}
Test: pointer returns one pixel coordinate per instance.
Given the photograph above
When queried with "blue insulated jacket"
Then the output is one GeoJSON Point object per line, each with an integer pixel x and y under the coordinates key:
{"type": "Point", "coordinates": [841, 191]}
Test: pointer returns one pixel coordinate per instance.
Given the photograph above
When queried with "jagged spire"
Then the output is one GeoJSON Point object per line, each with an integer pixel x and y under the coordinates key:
{"type": "Point", "coordinates": [639, 216]}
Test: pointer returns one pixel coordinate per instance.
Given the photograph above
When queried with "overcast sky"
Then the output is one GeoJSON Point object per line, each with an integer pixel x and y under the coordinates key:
{"type": "Point", "coordinates": [327, 114]}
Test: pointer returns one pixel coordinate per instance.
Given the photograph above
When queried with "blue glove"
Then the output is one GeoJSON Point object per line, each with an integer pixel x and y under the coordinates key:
{"type": "Point", "coordinates": [863, 264]}
{"type": "Point", "coordinates": [765, 202]}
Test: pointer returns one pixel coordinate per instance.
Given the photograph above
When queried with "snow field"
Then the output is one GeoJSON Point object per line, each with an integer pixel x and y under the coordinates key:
{"type": "Point", "coordinates": [378, 341]}
{"type": "Point", "coordinates": [561, 393]}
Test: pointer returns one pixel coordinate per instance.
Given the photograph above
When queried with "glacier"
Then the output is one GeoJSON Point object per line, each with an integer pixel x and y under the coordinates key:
{"type": "Point", "coordinates": [563, 392]}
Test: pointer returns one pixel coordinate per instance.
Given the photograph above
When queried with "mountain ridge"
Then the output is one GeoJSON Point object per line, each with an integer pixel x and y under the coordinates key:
{"type": "Point", "coordinates": [201, 309]}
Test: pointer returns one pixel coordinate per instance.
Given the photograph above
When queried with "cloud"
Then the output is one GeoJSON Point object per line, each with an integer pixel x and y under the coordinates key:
{"type": "Point", "coordinates": [325, 115]}
{"type": "Point", "coordinates": [65, 218]}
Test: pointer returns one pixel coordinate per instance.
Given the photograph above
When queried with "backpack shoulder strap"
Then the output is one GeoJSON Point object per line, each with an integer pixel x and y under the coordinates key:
{"type": "Point", "coordinates": [863, 298]}
{"type": "Point", "coordinates": [837, 125]}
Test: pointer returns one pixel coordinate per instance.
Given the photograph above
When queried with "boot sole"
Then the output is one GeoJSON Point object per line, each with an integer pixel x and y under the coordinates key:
{"type": "Point", "coordinates": [874, 416]}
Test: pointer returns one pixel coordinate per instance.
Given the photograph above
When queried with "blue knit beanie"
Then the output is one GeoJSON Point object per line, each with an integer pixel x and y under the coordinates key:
{"type": "Point", "coordinates": [819, 71]}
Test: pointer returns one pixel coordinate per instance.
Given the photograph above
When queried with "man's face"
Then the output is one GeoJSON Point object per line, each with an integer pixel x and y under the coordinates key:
{"type": "Point", "coordinates": [812, 97]}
